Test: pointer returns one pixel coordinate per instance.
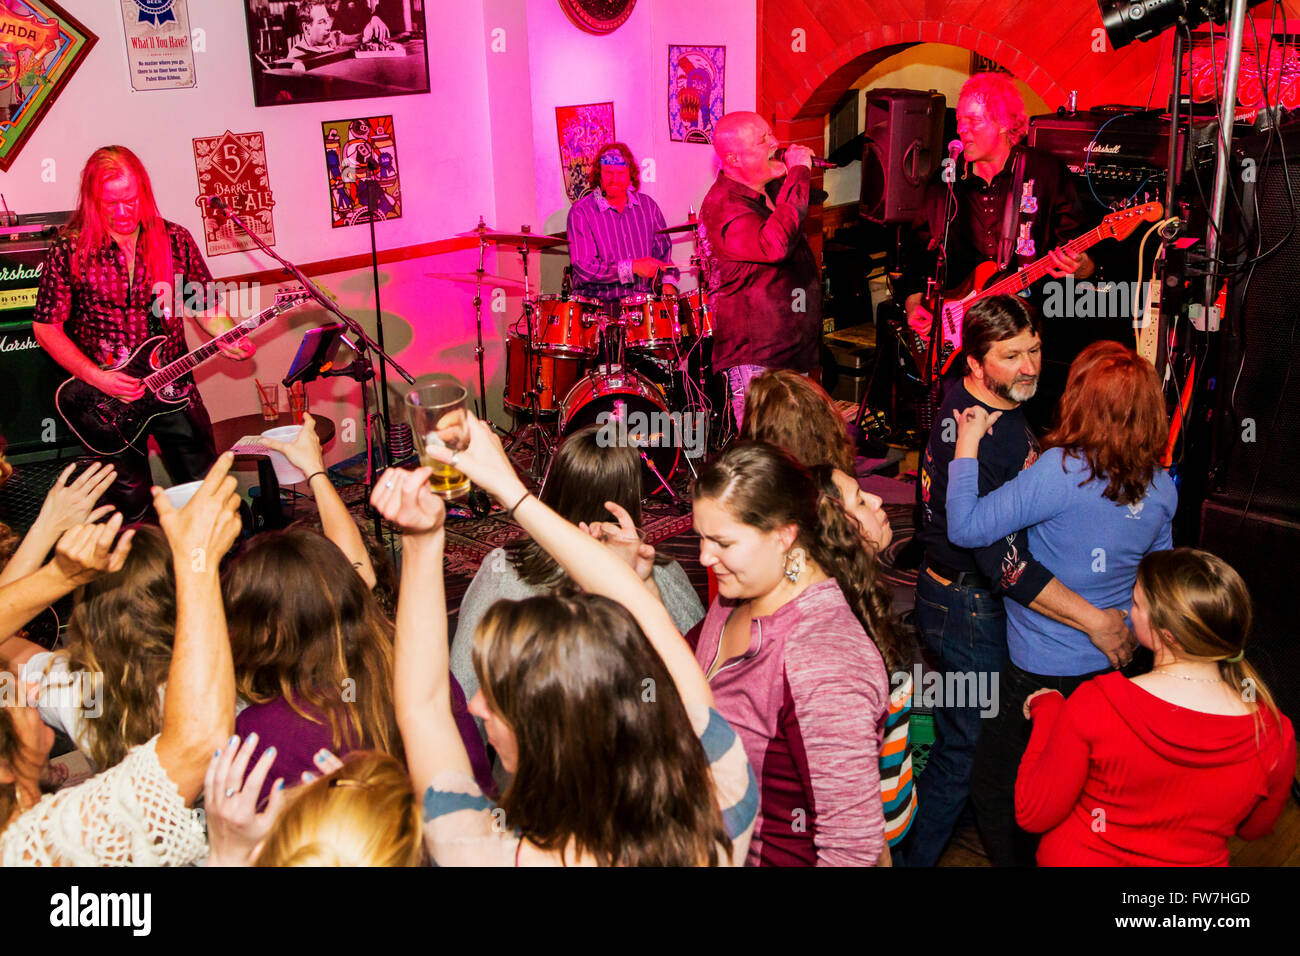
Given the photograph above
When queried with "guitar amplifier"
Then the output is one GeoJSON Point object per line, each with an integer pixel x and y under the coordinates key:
{"type": "Point", "coordinates": [28, 376]}
{"type": "Point", "coordinates": [1119, 151]}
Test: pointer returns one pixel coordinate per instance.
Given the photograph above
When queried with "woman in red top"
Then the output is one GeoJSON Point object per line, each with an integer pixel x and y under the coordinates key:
{"type": "Point", "coordinates": [1161, 770]}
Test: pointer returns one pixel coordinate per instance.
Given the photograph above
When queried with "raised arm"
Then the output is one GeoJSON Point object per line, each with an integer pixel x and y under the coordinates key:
{"type": "Point", "coordinates": [199, 709]}
{"type": "Point", "coordinates": [304, 453]}
{"type": "Point", "coordinates": [66, 505]}
{"type": "Point", "coordinates": [587, 561]}
{"type": "Point", "coordinates": [421, 670]}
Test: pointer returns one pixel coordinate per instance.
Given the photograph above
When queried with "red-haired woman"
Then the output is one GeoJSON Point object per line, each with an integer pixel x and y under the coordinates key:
{"type": "Point", "coordinates": [1095, 503]}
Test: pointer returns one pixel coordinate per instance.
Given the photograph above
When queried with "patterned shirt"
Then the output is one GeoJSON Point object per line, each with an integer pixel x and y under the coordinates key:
{"type": "Point", "coordinates": [809, 699]}
{"type": "Point", "coordinates": [603, 243]}
{"type": "Point", "coordinates": [107, 312]}
{"type": "Point", "coordinates": [767, 291]}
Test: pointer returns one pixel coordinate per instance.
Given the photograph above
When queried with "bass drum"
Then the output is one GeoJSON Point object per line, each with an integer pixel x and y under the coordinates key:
{"type": "Point", "coordinates": [634, 410]}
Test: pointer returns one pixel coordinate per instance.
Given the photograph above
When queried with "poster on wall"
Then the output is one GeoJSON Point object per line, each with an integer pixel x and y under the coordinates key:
{"type": "Point", "coordinates": [158, 48]}
{"type": "Point", "coordinates": [232, 167]}
{"type": "Point", "coordinates": [696, 82]}
{"type": "Point", "coordinates": [361, 160]}
{"type": "Point", "coordinates": [309, 52]}
{"type": "Point", "coordinates": [582, 131]}
{"type": "Point", "coordinates": [40, 48]}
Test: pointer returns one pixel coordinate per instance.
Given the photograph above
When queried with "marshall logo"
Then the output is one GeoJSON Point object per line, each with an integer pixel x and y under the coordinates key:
{"type": "Point", "coordinates": [1112, 149]}
{"type": "Point", "coordinates": [14, 273]}
{"type": "Point", "coordinates": [18, 345]}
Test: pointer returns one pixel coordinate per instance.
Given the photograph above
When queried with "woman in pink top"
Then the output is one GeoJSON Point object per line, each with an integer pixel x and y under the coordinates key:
{"type": "Point", "coordinates": [788, 660]}
{"type": "Point", "coordinates": [1161, 770]}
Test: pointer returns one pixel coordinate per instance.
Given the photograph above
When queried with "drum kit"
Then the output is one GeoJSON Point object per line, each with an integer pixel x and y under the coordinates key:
{"type": "Point", "coordinates": [573, 361]}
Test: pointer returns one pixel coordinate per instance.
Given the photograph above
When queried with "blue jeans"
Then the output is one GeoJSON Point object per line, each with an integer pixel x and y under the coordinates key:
{"type": "Point", "coordinates": [964, 631]}
{"type": "Point", "coordinates": [738, 378]}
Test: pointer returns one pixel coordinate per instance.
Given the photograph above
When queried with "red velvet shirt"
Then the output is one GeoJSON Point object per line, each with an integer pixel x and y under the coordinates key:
{"type": "Point", "coordinates": [767, 294]}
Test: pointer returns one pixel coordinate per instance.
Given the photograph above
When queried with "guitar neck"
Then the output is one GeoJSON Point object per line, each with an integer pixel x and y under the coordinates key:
{"type": "Point", "coordinates": [187, 363]}
{"type": "Point", "coordinates": [1022, 280]}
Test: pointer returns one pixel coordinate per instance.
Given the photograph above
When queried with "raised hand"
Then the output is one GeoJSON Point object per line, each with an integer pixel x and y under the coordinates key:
{"type": "Point", "coordinates": [304, 451]}
{"type": "Point", "coordinates": [202, 531]}
{"type": "Point", "coordinates": [484, 461]}
{"type": "Point", "coordinates": [972, 425]}
{"type": "Point", "coordinates": [73, 503]}
{"type": "Point", "coordinates": [405, 499]}
{"type": "Point", "coordinates": [624, 539]}
{"type": "Point", "coordinates": [86, 550]}
{"type": "Point", "coordinates": [235, 828]}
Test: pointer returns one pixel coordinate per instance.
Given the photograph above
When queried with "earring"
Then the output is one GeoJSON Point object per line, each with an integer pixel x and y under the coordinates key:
{"type": "Point", "coordinates": [794, 564]}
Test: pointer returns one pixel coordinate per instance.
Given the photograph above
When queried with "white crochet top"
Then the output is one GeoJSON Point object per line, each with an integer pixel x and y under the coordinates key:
{"type": "Point", "coordinates": [128, 815]}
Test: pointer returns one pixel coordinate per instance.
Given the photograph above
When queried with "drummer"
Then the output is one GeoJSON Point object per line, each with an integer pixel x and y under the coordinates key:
{"type": "Point", "coordinates": [614, 241]}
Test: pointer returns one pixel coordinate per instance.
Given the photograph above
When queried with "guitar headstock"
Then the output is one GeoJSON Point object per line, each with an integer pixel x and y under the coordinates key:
{"type": "Point", "coordinates": [1121, 223]}
{"type": "Point", "coordinates": [291, 298]}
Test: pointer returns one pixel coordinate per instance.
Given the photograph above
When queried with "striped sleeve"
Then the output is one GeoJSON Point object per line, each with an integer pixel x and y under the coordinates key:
{"type": "Point", "coordinates": [733, 780]}
{"type": "Point", "coordinates": [897, 792]}
{"type": "Point", "coordinates": [462, 827]}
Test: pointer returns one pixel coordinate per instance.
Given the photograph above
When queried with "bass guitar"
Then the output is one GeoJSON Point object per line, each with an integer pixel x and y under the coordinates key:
{"type": "Point", "coordinates": [945, 330]}
{"type": "Point", "coordinates": [108, 425]}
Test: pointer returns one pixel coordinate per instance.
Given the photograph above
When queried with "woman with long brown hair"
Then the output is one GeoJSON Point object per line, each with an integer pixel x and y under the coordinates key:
{"type": "Point", "coordinates": [593, 702]}
{"type": "Point", "coordinates": [1175, 761]}
{"type": "Point", "coordinates": [788, 658]}
{"type": "Point", "coordinates": [1094, 504]}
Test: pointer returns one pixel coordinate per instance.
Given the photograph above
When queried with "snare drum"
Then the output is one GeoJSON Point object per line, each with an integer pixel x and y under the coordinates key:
{"type": "Point", "coordinates": [650, 322]}
{"type": "Point", "coordinates": [700, 311]}
{"type": "Point", "coordinates": [634, 409]}
{"type": "Point", "coordinates": [558, 376]}
{"type": "Point", "coordinates": [563, 326]}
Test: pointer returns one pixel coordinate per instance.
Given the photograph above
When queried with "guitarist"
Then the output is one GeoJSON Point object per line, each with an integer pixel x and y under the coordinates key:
{"type": "Point", "coordinates": [992, 122]}
{"type": "Point", "coordinates": [106, 287]}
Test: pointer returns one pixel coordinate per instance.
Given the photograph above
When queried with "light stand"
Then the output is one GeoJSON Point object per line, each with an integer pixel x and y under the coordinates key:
{"type": "Point", "coordinates": [372, 207]}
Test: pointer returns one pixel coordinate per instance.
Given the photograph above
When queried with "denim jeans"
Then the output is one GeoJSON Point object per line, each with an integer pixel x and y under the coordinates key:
{"type": "Point", "coordinates": [964, 631]}
{"type": "Point", "coordinates": [997, 763]}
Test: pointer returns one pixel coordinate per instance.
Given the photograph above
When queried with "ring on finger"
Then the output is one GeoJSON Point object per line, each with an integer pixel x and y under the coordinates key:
{"type": "Point", "coordinates": [230, 792]}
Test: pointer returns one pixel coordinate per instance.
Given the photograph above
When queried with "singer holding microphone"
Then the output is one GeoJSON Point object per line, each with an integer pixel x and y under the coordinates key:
{"type": "Point", "coordinates": [767, 294]}
{"type": "Point", "coordinates": [111, 281]}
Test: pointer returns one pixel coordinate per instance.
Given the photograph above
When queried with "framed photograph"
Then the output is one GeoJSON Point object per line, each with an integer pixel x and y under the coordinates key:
{"type": "Point", "coordinates": [361, 162]}
{"type": "Point", "coordinates": [582, 131]}
{"type": "Point", "coordinates": [697, 79]}
{"type": "Point", "coordinates": [312, 51]}
{"type": "Point", "coordinates": [40, 48]}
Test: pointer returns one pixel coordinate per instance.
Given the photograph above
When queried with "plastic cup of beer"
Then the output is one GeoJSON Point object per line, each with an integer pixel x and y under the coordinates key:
{"type": "Point", "coordinates": [438, 417]}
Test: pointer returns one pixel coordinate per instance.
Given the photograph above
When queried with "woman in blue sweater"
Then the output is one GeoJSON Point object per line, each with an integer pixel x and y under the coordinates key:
{"type": "Point", "coordinates": [1094, 503]}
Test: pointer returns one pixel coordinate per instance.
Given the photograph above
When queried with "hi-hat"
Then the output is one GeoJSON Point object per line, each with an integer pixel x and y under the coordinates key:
{"type": "Point", "coordinates": [533, 240]}
{"type": "Point", "coordinates": [472, 278]}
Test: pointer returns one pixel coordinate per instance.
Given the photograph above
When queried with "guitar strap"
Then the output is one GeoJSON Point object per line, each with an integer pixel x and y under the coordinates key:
{"type": "Point", "coordinates": [1011, 211]}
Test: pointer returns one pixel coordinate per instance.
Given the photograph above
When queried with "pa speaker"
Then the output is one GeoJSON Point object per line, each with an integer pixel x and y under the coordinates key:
{"type": "Point", "coordinates": [903, 148]}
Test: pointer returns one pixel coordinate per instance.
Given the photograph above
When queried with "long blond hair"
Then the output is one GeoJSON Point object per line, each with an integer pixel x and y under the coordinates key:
{"type": "Point", "coordinates": [1201, 604]}
{"type": "Point", "coordinates": [87, 224]}
{"type": "Point", "coordinates": [363, 814]}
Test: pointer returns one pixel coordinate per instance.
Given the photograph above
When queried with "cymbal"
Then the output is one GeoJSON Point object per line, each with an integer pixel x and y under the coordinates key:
{"type": "Point", "coordinates": [472, 278]}
{"type": "Point", "coordinates": [534, 240]}
{"type": "Point", "coordinates": [684, 227]}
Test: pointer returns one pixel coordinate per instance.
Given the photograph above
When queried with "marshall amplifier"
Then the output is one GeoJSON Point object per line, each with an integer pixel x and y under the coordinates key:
{"type": "Point", "coordinates": [1118, 151]}
{"type": "Point", "coordinates": [28, 376]}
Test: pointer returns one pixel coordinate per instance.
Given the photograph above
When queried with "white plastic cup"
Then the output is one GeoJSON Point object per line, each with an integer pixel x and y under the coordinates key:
{"type": "Point", "coordinates": [179, 495]}
{"type": "Point", "coordinates": [285, 473]}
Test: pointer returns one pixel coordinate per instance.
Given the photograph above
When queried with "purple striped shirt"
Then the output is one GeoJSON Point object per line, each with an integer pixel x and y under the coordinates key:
{"type": "Point", "coordinates": [603, 242]}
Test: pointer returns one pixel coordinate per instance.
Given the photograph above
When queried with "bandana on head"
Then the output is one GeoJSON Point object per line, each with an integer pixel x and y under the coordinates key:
{"type": "Point", "coordinates": [612, 157]}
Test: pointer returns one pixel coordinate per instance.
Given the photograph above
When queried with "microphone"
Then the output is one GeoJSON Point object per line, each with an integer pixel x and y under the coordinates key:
{"type": "Point", "coordinates": [954, 149]}
{"type": "Point", "coordinates": [817, 161]}
{"type": "Point", "coordinates": [217, 206]}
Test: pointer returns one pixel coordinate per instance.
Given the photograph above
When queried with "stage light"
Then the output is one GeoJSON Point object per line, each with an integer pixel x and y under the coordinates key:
{"type": "Point", "coordinates": [1129, 20]}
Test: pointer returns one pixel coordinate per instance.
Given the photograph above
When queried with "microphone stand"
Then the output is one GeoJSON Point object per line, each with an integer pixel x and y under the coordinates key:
{"type": "Point", "coordinates": [366, 344]}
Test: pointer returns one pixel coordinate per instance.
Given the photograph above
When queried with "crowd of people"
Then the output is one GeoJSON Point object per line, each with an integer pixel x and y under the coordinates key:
{"type": "Point", "coordinates": [590, 710]}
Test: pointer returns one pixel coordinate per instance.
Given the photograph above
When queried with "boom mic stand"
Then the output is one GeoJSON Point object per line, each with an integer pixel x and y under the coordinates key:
{"type": "Point", "coordinates": [364, 344]}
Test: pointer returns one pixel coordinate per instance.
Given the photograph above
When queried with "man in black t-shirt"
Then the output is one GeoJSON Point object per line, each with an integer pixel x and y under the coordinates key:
{"type": "Point", "coordinates": [959, 591]}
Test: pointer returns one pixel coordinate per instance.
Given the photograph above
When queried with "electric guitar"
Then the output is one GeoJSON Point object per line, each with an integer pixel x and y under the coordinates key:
{"type": "Point", "coordinates": [945, 330]}
{"type": "Point", "coordinates": [108, 425]}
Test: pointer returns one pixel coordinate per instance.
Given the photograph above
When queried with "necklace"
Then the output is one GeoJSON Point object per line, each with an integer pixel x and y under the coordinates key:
{"type": "Point", "coordinates": [1198, 680]}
